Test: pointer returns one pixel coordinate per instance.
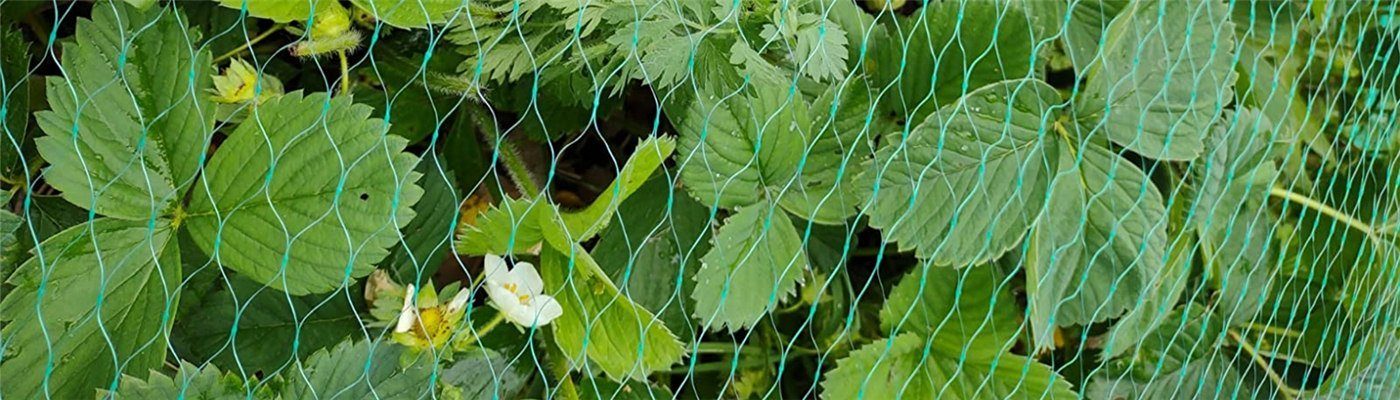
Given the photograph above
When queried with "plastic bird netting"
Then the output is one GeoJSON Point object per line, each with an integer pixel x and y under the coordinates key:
{"type": "Point", "coordinates": [699, 199]}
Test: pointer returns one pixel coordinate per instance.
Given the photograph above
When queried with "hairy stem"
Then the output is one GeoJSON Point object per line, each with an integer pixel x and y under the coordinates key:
{"type": "Point", "coordinates": [344, 73]}
{"type": "Point", "coordinates": [509, 155]}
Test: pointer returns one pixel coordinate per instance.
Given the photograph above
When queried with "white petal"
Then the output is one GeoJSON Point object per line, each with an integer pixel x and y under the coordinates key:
{"type": "Point", "coordinates": [526, 278]}
{"type": "Point", "coordinates": [493, 268]}
{"type": "Point", "coordinates": [408, 313]}
{"type": "Point", "coordinates": [502, 299]}
{"type": "Point", "coordinates": [520, 316]}
{"type": "Point", "coordinates": [548, 308]}
{"type": "Point", "coordinates": [460, 300]}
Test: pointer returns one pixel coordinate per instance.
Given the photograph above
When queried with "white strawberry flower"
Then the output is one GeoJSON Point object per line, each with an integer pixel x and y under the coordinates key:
{"type": "Point", "coordinates": [518, 292]}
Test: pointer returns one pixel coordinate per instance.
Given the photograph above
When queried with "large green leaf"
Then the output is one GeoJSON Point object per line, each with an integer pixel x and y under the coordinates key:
{"type": "Point", "coordinates": [278, 10]}
{"type": "Point", "coordinates": [910, 367]}
{"type": "Point", "coordinates": [815, 44]}
{"type": "Point", "coordinates": [734, 146]}
{"type": "Point", "coordinates": [1368, 370]}
{"type": "Point", "coordinates": [967, 183]}
{"type": "Point", "coordinates": [601, 328]}
{"type": "Point", "coordinates": [305, 195]}
{"type": "Point", "coordinates": [1088, 19]}
{"type": "Point", "coordinates": [235, 327]}
{"type": "Point", "coordinates": [484, 373]}
{"type": "Point", "coordinates": [189, 382]}
{"type": "Point", "coordinates": [974, 43]}
{"type": "Point", "coordinates": [1188, 333]}
{"type": "Point", "coordinates": [826, 190]}
{"type": "Point", "coordinates": [427, 240]}
{"type": "Point", "coordinates": [1165, 74]}
{"type": "Point", "coordinates": [966, 311]}
{"type": "Point", "coordinates": [756, 262]}
{"type": "Point", "coordinates": [130, 117]}
{"type": "Point", "coordinates": [1152, 308]}
{"type": "Point", "coordinates": [1206, 378]}
{"type": "Point", "coordinates": [414, 13]}
{"type": "Point", "coordinates": [9, 225]}
{"type": "Point", "coordinates": [1232, 215]}
{"type": "Point", "coordinates": [95, 302]}
{"type": "Point", "coordinates": [652, 251]}
{"type": "Point", "coordinates": [14, 100]}
{"type": "Point", "coordinates": [1100, 245]}
{"type": "Point", "coordinates": [363, 370]}
{"type": "Point", "coordinates": [511, 227]}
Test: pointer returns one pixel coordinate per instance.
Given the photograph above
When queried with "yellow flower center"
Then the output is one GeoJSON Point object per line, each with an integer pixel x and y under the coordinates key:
{"type": "Point", "coordinates": [515, 289]}
{"type": "Point", "coordinates": [430, 324]}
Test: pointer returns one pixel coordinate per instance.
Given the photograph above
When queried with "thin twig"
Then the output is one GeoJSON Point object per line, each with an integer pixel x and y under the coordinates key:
{"type": "Point", "coordinates": [1288, 393]}
{"type": "Point", "coordinates": [249, 45]}
{"type": "Point", "coordinates": [1327, 210]}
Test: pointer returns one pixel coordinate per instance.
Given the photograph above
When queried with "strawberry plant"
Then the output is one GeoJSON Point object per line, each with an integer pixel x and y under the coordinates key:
{"type": "Point", "coordinates": [686, 199]}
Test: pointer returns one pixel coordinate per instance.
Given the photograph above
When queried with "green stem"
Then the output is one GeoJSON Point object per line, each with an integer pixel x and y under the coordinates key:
{"type": "Point", "coordinates": [1288, 393]}
{"type": "Point", "coordinates": [1335, 214]}
{"type": "Point", "coordinates": [251, 42]}
{"type": "Point", "coordinates": [1273, 330]}
{"type": "Point", "coordinates": [510, 157]}
{"type": "Point", "coordinates": [515, 164]}
{"type": "Point", "coordinates": [344, 73]}
{"type": "Point", "coordinates": [483, 330]}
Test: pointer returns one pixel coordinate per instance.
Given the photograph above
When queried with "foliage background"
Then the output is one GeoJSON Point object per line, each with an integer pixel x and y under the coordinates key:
{"type": "Point", "coordinates": [740, 199]}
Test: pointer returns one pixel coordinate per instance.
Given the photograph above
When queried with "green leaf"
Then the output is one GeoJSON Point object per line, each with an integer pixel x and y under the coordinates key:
{"type": "Point", "coordinates": [1161, 293]}
{"type": "Point", "coordinates": [756, 262]}
{"type": "Point", "coordinates": [14, 101]}
{"type": "Point", "coordinates": [305, 195]}
{"type": "Point", "coordinates": [650, 153]}
{"type": "Point", "coordinates": [815, 45]}
{"type": "Point", "coordinates": [732, 148]}
{"type": "Point", "coordinates": [827, 190]}
{"type": "Point", "coordinates": [235, 327]}
{"type": "Point", "coordinates": [600, 324]}
{"type": "Point", "coordinates": [141, 4]}
{"type": "Point", "coordinates": [967, 183]}
{"type": "Point", "coordinates": [652, 250]}
{"type": "Point", "coordinates": [410, 14]}
{"type": "Point", "coordinates": [1206, 378]}
{"type": "Point", "coordinates": [427, 240]}
{"type": "Point", "coordinates": [1100, 245]}
{"type": "Point", "coordinates": [130, 118]}
{"type": "Point", "coordinates": [1165, 75]}
{"type": "Point", "coordinates": [1232, 218]}
{"type": "Point", "coordinates": [908, 366]}
{"type": "Point", "coordinates": [190, 382]}
{"type": "Point", "coordinates": [483, 373]}
{"type": "Point", "coordinates": [1367, 372]}
{"type": "Point", "coordinates": [1187, 333]}
{"type": "Point", "coordinates": [591, 388]}
{"type": "Point", "coordinates": [278, 10]}
{"type": "Point", "coordinates": [957, 308]}
{"type": "Point", "coordinates": [975, 43]}
{"type": "Point", "coordinates": [511, 227]}
{"type": "Point", "coordinates": [1088, 21]}
{"type": "Point", "coordinates": [363, 370]}
{"type": "Point", "coordinates": [9, 225]}
{"type": "Point", "coordinates": [95, 305]}
{"type": "Point", "coordinates": [410, 107]}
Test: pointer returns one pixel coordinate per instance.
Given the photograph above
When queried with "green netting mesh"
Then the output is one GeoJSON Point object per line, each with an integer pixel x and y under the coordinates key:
{"type": "Point", "coordinates": [695, 199]}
